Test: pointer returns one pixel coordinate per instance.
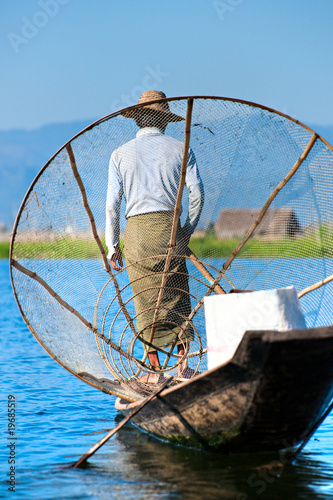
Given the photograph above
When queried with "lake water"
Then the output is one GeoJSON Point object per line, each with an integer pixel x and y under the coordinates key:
{"type": "Point", "coordinates": [58, 418]}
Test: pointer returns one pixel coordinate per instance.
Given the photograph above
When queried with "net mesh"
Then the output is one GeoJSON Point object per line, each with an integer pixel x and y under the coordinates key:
{"type": "Point", "coordinates": [103, 324]}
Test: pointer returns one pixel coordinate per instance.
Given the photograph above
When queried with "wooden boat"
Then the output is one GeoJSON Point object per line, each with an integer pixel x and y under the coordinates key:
{"type": "Point", "coordinates": [265, 172]}
{"type": "Point", "coordinates": [270, 396]}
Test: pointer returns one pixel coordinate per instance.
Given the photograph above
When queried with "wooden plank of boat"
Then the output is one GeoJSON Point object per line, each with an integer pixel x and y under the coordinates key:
{"type": "Point", "coordinates": [272, 392]}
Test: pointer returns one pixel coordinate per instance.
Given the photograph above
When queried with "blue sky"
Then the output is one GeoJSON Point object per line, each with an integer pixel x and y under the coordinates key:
{"type": "Point", "coordinates": [65, 60]}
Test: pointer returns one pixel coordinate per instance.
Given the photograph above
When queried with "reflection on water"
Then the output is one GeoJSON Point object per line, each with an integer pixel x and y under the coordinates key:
{"type": "Point", "coordinates": [196, 474]}
{"type": "Point", "coordinates": [57, 420]}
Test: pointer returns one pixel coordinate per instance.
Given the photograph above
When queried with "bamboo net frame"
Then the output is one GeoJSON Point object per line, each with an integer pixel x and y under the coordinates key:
{"type": "Point", "coordinates": [118, 354]}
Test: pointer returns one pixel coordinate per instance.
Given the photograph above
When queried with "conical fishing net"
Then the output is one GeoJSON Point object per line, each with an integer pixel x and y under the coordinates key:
{"type": "Point", "coordinates": [207, 196]}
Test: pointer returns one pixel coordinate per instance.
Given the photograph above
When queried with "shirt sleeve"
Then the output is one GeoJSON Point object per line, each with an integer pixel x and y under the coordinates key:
{"type": "Point", "coordinates": [113, 202]}
{"type": "Point", "coordinates": [196, 194]}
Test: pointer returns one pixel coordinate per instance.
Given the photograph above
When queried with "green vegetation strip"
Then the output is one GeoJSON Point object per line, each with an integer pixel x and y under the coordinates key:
{"type": "Point", "coordinates": [306, 246]}
{"type": "Point", "coordinates": [4, 250]}
{"type": "Point", "coordinates": [313, 245]}
{"type": "Point", "coordinates": [58, 249]}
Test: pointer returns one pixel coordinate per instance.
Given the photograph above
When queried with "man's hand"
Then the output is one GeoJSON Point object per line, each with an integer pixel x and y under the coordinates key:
{"type": "Point", "coordinates": [116, 257]}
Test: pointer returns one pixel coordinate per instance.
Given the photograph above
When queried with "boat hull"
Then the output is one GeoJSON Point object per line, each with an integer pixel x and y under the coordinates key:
{"type": "Point", "coordinates": [268, 397]}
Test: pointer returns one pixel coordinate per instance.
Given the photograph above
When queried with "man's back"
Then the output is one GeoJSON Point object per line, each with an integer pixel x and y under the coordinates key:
{"type": "Point", "coordinates": [149, 167]}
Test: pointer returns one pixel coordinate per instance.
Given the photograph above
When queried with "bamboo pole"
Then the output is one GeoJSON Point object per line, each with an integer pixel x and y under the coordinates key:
{"type": "Point", "coordinates": [315, 286]}
{"type": "Point", "coordinates": [181, 186]}
{"type": "Point", "coordinates": [264, 209]}
{"type": "Point", "coordinates": [270, 200]}
{"type": "Point", "coordinates": [175, 215]}
{"type": "Point", "coordinates": [206, 274]}
{"type": "Point", "coordinates": [95, 234]}
{"type": "Point", "coordinates": [86, 205]}
{"type": "Point", "coordinates": [102, 441]}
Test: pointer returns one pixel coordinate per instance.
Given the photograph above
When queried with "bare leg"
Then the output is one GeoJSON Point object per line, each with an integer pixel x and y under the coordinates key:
{"type": "Point", "coordinates": [154, 359]}
{"type": "Point", "coordinates": [182, 366]}
{"type": "Point", "coordinates": [152, 378]}
{"type": "Point", "coordinates": [183, 370]}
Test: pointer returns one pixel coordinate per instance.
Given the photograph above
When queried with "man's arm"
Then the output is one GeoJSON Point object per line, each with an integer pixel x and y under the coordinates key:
{"type": "Point", "coordinates": [196, 195]}
{"type": "Point", "coordinates": [112, 225]}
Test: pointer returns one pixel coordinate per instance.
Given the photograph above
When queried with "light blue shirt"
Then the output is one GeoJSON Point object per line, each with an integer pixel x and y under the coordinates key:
{"type": "Point", "coordinates": [146, 170]}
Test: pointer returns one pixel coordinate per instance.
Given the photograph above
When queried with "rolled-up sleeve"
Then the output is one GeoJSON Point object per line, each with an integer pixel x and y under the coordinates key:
{"type": "Point", "coordinates": [113, 203]}
{"type": "Point", "coordinates": [196, 194]}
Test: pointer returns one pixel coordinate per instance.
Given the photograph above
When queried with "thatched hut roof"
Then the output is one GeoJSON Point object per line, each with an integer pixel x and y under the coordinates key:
{"type": "Point", "coordinates": [277, 223]}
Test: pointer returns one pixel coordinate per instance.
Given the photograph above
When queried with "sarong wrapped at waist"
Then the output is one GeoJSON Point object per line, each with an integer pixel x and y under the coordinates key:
{"type": "Point", "coordinates": [145, 247]}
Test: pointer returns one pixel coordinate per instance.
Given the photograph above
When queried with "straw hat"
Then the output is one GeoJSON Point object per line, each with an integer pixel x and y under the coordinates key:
{"type": "Point", "coordinates": [159, 107]}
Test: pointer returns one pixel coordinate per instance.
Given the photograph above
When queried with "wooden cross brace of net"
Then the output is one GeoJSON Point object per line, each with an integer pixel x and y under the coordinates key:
{"type": "Point", "coordinates": [95, 234]}
{"type": "Point", "coordinates": [67, 306]}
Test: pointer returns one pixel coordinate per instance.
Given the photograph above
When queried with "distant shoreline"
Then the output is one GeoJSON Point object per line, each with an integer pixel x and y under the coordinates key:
{"type": "Point", "coordinates": [208, 246]}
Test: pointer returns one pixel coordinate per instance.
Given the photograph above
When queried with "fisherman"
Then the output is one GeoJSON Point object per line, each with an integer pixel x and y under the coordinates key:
{"type": "Point", "coordinates": [146, 170]}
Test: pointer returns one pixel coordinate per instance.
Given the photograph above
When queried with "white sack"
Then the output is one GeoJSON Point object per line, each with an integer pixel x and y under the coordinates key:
{"type": "Point", "coordinates": [229, 316]}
